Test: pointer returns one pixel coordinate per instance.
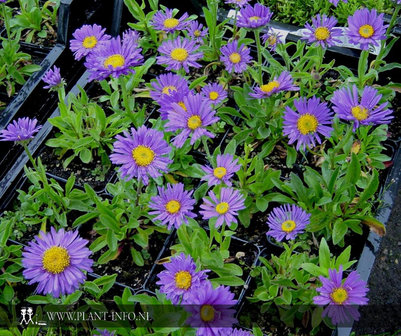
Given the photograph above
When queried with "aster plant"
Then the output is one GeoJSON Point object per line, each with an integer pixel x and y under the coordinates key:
{"type": "Point", "coordinates": [323, 31]}
{"type": "Point", "coordinates": [224, 170]}
{"type": "Point", "coordinates": [191, 121]}
{"type": "Point", "coordinates": [180, 279]}
{"type": "Point", "coordinates": [57, 261]}
{"type": "Point", "coordinates": [284, 82]}
{"type": "Point", "coordinates": [235, 57]}
{"type": "Point", "coordinates": [141, 153]}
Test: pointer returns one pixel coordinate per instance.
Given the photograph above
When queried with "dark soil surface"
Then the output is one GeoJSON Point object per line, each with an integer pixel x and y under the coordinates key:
{"type": "Point", "coordinates": [383, 313]}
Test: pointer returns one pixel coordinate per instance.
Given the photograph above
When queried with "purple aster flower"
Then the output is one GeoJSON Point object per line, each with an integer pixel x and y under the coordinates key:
{"type": "Point", "coordinates": [272, 38]}
{"type": "Point", "coordinates": [254, 16]}
{"type": "Point", "coordinates": [366, 28]}
{"type": "Point", "coordinates": [335, 2]}
{"type": "Point", "coordinates": [284, 82]}
{"type": "Point", "coordinates": [86, 39]}
{"type": "Point", "coordinates": [143, 152]}
{"type": "Point", "coordinates": [304, 125]}
{"type": "Point", "coordinates": [235, 58]}
{"type": "Point", "coordinates": [323, 31]}
{"type": "Point", "coordinates": [287, 221]}
{"type": "Point", "coordinates": [239, 3]}
{"type": "Point", "coordinates": [240, 332]}
{"type": "Point", "coordinates": [104, 332]}
{"type": "Point", "coordinates": [180, 278]}
{"type": "Point", "coordinates": [113, 58]}
{"type": "Point", "coordinates": [398, 2]}
{"type": "Point", "coordinates": [340, 296]}
{"type": "Point", "coordinates": [192, 120]}
{"type": "Point", "coordinates": [210, 310]}
{"type": "Point", "coordinates": [131, 36]}
{"type": "Point", "coordinates": [225, 209]}
{"type": "Point", "coordinates": [167, 83]}
{"type": "Point", "coordinates": [364, 111]}
{"type": "Point", "coordinates": [168, 102]}
{"type": "Point", "coordinates": [20, 130]}
{"type": "Point", "coordinates": [196, 31]}
{"type": "Point", "coordinates": [56, 260]}
{"type": "Point", "coordinates": [215, 93]}
{"type": "Point", "coordinates": [173, 205]}
{"type": "Point", "coordinates": [52, 78]}
{"type": "Point", "coordinates": [179, 53]}
{"type": "Point", "coordinates": [166, 21]}
{"type": "Point", "coordinates": [225, 168]}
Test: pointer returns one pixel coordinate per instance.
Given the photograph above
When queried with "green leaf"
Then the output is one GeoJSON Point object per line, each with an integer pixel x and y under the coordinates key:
{"type": "Point", "coordinates": [137, 257]}
{"type": "Point", "coordinates": [324, 254]}
{"type": "Point", "coordinates": [228, 281]}
{"type": "Point", "coordinates": [312, 269]}
{"type": "Point", "coordinates": [38, 299]}
{"type": "Point", "coordinates": [339, 230]}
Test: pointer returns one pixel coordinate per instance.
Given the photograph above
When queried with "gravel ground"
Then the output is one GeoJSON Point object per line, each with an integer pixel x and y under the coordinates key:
{"type": "Point", "coordinates": [383, 314]}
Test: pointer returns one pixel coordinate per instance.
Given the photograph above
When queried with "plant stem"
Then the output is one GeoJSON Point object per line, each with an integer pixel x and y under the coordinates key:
{"type": "Point", "coordinates": [6, 21]}
{"type": "Point", "coordinates": [138, 191]}
{"type": "Point", "coordinates": [259, 50]}
{"type": "Point", "coordinates": [206, 147]}
{"type": "Point", "coordinates": [28, 153]}
{"type": "Point", "coordinates": [235, 22]}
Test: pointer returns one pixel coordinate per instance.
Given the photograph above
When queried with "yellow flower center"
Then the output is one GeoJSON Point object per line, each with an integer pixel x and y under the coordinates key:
{"type": "Point", "coordinates": [171, 23]}
{"type": "Point", "coordinates": [360, 113]}
{"type": "Point", "coordinates": [183, 280]}
{"type": "Point", "coordinates": [366, 31]}
{"type": "Point", "coordinates": [254, 18]}
{"type": "Point", "coordinates": [55, 259]}
{"type": "Point", "coordinates": [89, 42]}
{"type": "Point", "coordinates": [197, 33]}
{"type": "Point", "coordinates": [322, 33]}
{"type": "Point", "coordinates": [173, 206]}
{"type": "Point", "coordinates": [207, 313]}
{"type": "Point", "coordinates": [235, 58]}
{"type": "Point", "coordinates": [116, 60]}
{"type": "Point", "coordinates": [166, 90]}
{"type": "Point", "coordinates": [181, 103]}
{"type": "Point", "coordinates": [339, 295]}
{"type": "Point", "coordinates": [272, 40]}
{"type": "Point", "coordinates": [267, 88]}
{"type": "Point", "coordinates": [222, 208]}
{"type": "Point", "coordinates": [143, 155]}
{"type": "Point", "coordinates": [220, 172]}
{"type": "Point", "coordinates": [194, 122]}
{"type": "Point", "coordinates": [213, 95]}
{"type": "Point", "coordinates": [179, 54]}
{"type": "Point", "coordinates": [288, 226]}
{"type": "Point", "coordinates": [307, 123]}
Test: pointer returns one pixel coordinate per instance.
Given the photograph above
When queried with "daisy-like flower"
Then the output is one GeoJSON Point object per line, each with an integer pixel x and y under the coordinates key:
{"type": "Point", "coordinates": [52, 78]}
{"type": "Point", "coordinates": [287, 221]}
{"type": "Point", "coordinates": [179, 53]}
{"type": "Point", "coordinates": [56, 261]}
{"type": "Point", "coordinates": [362, 111]}
{"type": "Point", "coordinates": [240, 332]}
{"type": "Point", "coordinates": [196, 31]}
{"type": "Point", "coordinates": [311, 118]}
{"type": "Point", "coordinates": [335, 2]}
{"type": "Point", "coordinates": [226, 166]}
{"type": "Point", "coordinates": [254, 16]}
{"type": "Point", "coordinates": [131, 36]}
{"type": "Point", "coordinates": [192, 120]}
{"type": "Point", "coordinates": [215, 93]}
{"type": "Point", "coordinates": [113, 58]}
{"type": "Point", "coordinates": [323, 31]}
{"type": "Point", "coordinates": [271, 38]}
{"type": "Point", "coordinates": [239, 3]}
{"type": "Point", "coordinates": [284, 82]}
{"type": "Point", "coordinates": [236, 58]}
{"type": "Point", "coordinates": [173, 205]}
{"type": "Point", "coordinates": [167, 83]}
{"type": "Point", "coordinates": [168, 102]}
{"type": "Point", "coordinates": [225, 209]}
{"type": "Point", "coordinates": [180, 278]}
{"type": "Point", "coordinates": [210, 310]}
{"type": "Point", "coordinates": [166, 22]}
{"type": "Point", "coordinates": [366, 28]}
{"type": "Point", "coordinates": [398, 2]}
{"type": "Point", "coordinates": [142, 153]}
{"type": "Point", "coordinates": [87, 39]}
{"type": "Point", "coordinates": [104, 332]}
{"type": "Point", "coordinates": [340, 295]}
{"type": "Point", "coordinates": [20, 130]}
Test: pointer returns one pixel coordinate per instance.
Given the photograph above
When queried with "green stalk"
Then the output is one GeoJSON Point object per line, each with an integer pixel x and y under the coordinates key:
{"type": "Point", "coordinates": [28, 153]}
{"type": "Point", "coordinates": [206, 147]}
{"type": "Point", "coordinates": [6, 20]}
{"type": "Point", "coordinates": [259, 49]}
